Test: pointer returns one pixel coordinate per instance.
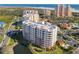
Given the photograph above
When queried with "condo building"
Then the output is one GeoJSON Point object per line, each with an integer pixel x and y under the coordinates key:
{"type": "Point", "coordinates": [47, 12]}
{"type": "Point", "coordinates": [31, 15]}
{"type": "Point", "coordinates": [63, 11]}
{"type": "Point", "coordinates": [42, 34]}
{"type": "Point", "coordinates": [60, 10]}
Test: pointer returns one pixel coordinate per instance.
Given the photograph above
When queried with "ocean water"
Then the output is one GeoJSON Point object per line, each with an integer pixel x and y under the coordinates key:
{"type": "Point", "coordinates": [76, 6]}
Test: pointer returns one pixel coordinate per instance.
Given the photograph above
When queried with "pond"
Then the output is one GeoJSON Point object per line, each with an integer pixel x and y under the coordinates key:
{"type": "Point", "coordinates": [2, 24]}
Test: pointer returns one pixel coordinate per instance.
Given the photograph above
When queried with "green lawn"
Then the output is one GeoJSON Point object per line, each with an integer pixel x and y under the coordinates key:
{"type": "Point", "coordinates": [11, 41]}
{"type": "Point", "coordinates": [1, 37]}
{"type": "Point", "coordinates": [6, 19]}
{"type": "Point", "coordinates": [38, 50]}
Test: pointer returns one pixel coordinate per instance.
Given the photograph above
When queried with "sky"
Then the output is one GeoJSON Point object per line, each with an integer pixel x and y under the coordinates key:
{"type": "Point", "coordinates": [74, 6]}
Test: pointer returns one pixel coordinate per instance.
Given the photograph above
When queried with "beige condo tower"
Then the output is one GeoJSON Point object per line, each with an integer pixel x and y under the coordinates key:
{"type": "Point", "coordinates": [63, 11]}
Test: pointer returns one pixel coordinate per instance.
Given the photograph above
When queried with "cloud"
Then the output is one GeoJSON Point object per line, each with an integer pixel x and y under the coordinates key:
{"type": "Point", "coordinates": [75, 10]}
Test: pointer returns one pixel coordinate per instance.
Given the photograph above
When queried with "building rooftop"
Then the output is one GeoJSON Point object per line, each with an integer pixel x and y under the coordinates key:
{"type": "Point", "coordinates": [40, 25]}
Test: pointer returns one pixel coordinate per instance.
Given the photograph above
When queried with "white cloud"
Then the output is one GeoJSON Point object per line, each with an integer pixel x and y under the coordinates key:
{"type": "Point", "coordinates": [75, 10]}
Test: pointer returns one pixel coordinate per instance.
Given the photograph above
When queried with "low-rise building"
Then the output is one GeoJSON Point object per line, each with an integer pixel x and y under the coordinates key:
{"type": "Point", "coordinates": [75, 25]}
{"type": "Point", "coordinates": [65, 26]}
{"type": "Point", "coordinates": [60, 42]}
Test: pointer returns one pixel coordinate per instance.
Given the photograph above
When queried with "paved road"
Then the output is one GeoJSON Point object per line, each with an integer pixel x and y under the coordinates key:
{"type": "Point", "coordinates": [9, 49]}
{"type": "Point", "coordinates": [76, 51]}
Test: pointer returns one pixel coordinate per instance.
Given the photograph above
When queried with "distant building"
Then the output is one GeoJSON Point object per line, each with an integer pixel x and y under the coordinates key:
{"type": "Point", "coordinates": [47, 12]}
{"type": "Point", "coordinates": [31, 15]}
{"type": "Point", "coordinates": [60, 10]}
{"type": "Point", "coordinates": [65, 26]}
{"type": "Point", "coordinates": [60, 42]}
{"type": "Point", "coordinates": [76, 14]}
{"type": "Point", "coordinates": [63, 11]}
{"type": "Point", "coordinates": [68, 11]}
{"type": "Point", "coordinates": [42, 34]}
{"type": "Point", "coordinates": [44, 12]}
